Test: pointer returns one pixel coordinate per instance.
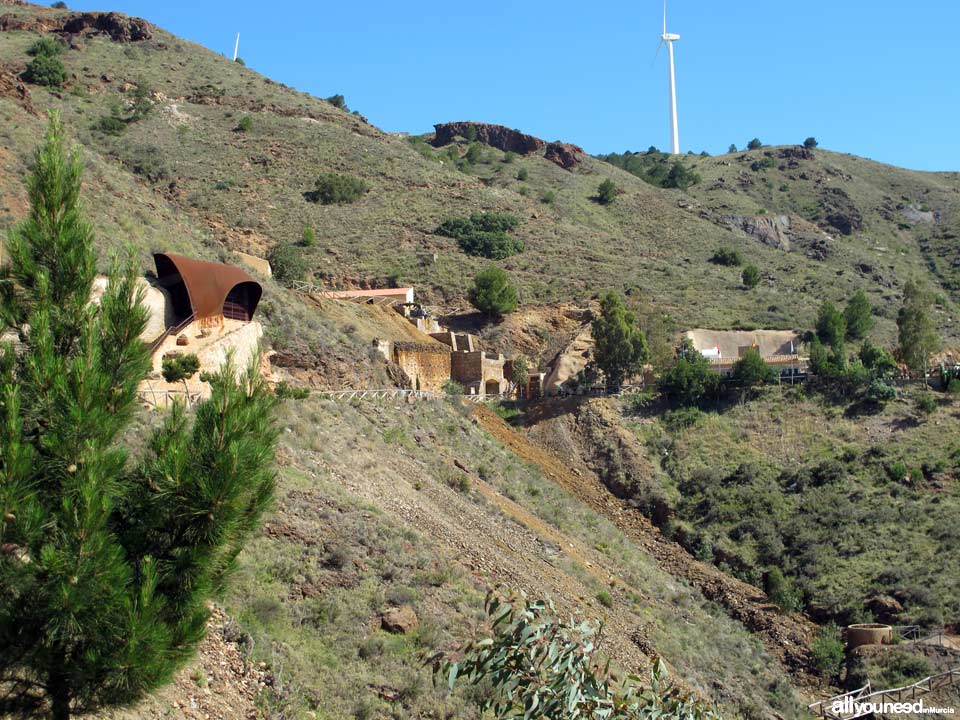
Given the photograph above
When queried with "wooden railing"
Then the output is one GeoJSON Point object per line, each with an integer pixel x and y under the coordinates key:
{"type": "Point", "coordinates": [163, 398]}
{"type": "Point", "coordinates": [864, 697]}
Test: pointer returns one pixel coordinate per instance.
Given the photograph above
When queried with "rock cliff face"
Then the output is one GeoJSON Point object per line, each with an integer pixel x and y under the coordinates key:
{"type": "Point", "coordinates": [118, 27]}
{"type": "Point", "coordinates": [565, 155]}
{"type": "Point", "coordinates": [498, 136]}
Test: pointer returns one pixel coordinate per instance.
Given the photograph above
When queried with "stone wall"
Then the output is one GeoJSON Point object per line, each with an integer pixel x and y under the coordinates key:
{"type": "Point", "coordinates": [427, 367]}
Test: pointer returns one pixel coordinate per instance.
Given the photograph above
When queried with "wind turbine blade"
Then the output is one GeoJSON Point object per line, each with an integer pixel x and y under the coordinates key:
{"type": "Point", "coordinates": [664, 17]}
{"type": "Point", "coordinates": [657, 53]}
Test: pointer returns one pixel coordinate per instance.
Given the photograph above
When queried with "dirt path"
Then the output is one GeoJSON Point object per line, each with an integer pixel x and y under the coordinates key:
{"type": "Point", "coordinates": [786, 637]}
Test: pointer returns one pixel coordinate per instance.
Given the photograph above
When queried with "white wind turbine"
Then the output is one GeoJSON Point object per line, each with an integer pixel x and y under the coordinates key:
{"type": "Point", "coordinates": [669, 39]}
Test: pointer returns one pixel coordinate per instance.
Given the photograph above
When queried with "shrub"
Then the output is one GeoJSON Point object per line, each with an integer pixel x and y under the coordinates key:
{"type": "Point", "coordinates": [338, 101]}
{"type": "Point", "coordinates": [764, 163]}
{"type": "Point", "coordinates": [147, 161]}
{"type": "Point", "coordinates": [878, 361]}
{"type": "Point", "coordinates": [335, 189]}
{"type": "Point", "coordinates": [110, 125]}
{"type": "Point", "coordinates": [59, 5]}
{"type": "Point", "coordinates": [309, 238]}
{"type": "Point", "coordinates": [45, 46]}
{"type": "Point", "coordinates": [680, 177]}
{"type": "Point", "coordinates": [549, 197]}
{"type": "Point", "coordinates": [750, 276]}
{"type": "Point", "coordinates": [474, 153]}
{"type": "Point", "coordinates": [451, 387]}
{"type": "Point", "coordinates": [286, 391]}
{"type": "Point", "coordinates": [484, 234]}
{"type": "Point", "coordinates": [176, 368]}
{"type": "Point", "coordinates": [509, 156]}
{"type": "Point", "coordinates": [492, 293]}
{"type": "Point", "coordinates": [691, 380]}
{"type": "Point", "coordinates": [926, 403]}
{"type": "Point", "coordinates": [827, 652]}
{"type": "Point", "coordinates": [781, 591]}
{"type": "Point", "coordinates": [606, 192]}
{"type": "Point", "coordinates": [245, 124]}
{"type": "Point", "coordinates": [240, 61]}
{"type": "Point", "coordinates": [810, 143]}
{"type": "Point", "coordinates": [287, 263]}
{"type": "Point", "coordinates": [555, 671]}
{"type": "Point", "coordinates": [754, 144]}
{"type": "Point", "coordinates": [732, 148]}
{"type": "Point", "coordinates": [522, 174]}
{"type": "Point", "coordinates": [45, 70]}
{"type": "Point", "coordinates": [605, 599]}
{"type": "Point", "coordinates": [727, 256]}
{"type": "Point", "coordinates": [880, 392]}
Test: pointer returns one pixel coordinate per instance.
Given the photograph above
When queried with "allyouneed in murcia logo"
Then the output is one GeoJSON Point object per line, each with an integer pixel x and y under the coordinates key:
{"type": "Point", "coordinates": [849, 706]}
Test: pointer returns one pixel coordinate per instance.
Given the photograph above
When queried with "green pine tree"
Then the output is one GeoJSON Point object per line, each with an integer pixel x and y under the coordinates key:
{"type": "Point", "coordinates": [859, 316]}
{"type": "Point", "coordinates": [621, 348]}
{"type": "Point", "coordinates": [917, 333]}
{"type": "Point", "coordinates": [105, 565]}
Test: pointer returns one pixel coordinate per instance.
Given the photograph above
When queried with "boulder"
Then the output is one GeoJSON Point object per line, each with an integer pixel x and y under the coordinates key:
{"type": "Point", "coordinates": [400, 620]}
{"type": "Point", "coordinates": [498, 136]}
{"type": "Point", "coordinates": [117, 26]}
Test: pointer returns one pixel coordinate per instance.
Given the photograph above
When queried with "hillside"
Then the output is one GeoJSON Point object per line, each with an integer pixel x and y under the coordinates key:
{"type": "Point", "coordinates": [660, 524]}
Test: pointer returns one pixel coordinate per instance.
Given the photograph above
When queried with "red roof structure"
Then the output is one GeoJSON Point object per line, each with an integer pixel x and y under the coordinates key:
{"type": "Point", "coordinates": [207, 289]}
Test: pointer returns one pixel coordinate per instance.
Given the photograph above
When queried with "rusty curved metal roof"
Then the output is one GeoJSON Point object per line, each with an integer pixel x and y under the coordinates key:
{"type": "Point", "coordinates": [208, 283]}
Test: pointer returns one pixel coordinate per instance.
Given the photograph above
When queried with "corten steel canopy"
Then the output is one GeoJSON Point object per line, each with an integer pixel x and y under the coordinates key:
{"type": "Point", "coordinates": [207, 289]}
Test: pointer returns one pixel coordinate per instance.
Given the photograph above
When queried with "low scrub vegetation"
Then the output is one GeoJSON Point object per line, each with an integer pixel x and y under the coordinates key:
{"type": "Point", "coordinates": [336, 189]}
{"type": "Point", "coordinates": [484, 234]}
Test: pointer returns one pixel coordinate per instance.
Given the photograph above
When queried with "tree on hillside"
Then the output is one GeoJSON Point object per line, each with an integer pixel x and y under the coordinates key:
{"type": "Point", "coordinates": [606, 192]}
{"type": "Point", "coordinates": [492, 292]}
{"type": "Point", "coordinates": [810, 143]}
{"type": "Point", "coordinates": [751, 370]}
{"type": "Point", "coordinates": [621, 347]}
{"type": "Point", "coordinates": [519, 372]}
{"type": "Point", "coordinates": [105, 569]}
{"type": "Point", "coordinates": [858, 316]}
{"type": "Point", "coordinates": [287, 263]}
{"type": "Point", "coordinates": [831, 325]}
{"type": "Point", "coordinates": [754, 144]}
{"type": "Point", "coordinates": [750, 276]}
{"type": "Point", "coordinates": [732, 148]}
{"type": "Point", "coordinates": [691, 381]}
{"type": "Point", "coordinates": [917, 334]}
{"type": "Point", "coordinates": [536, 665]}
{"type": "Point", "coordinates": [680, 176]}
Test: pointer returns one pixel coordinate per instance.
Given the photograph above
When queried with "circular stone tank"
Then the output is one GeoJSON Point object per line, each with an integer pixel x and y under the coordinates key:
{"type": "Point", "coordinates": [868, 634]}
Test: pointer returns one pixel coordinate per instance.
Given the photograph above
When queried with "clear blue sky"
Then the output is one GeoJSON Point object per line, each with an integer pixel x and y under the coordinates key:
{"type": "Point", "coordinates": [878, 79]}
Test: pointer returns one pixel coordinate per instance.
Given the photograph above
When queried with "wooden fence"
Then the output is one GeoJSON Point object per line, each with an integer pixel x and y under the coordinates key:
{"type": "Point", "coordinates": [164, 398]}
{"type": "Point", "coordinates": [864, 696]}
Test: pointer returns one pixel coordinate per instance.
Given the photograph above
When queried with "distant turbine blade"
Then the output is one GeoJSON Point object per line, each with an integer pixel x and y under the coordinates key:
{"type": "Point", "coordinates": [657, 53]}
{"type": "Point", "coordinates": [664, 17]}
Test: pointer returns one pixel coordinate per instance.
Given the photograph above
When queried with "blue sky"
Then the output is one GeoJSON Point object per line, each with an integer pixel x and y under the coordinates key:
{"type": "Point", "coordinates": [877, 79]}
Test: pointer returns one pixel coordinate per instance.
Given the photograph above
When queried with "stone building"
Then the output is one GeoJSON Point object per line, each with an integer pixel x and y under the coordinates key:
{"type": "Point", "coordinates": [480, 373]}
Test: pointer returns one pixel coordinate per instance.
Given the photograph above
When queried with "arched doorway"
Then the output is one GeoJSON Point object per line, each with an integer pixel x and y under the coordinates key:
{"type": "Point", "coordinates": [492, 387]}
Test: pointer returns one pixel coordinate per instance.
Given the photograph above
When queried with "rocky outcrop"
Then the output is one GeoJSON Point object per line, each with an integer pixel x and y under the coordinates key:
{"type": "Point", "coordinates": [795, 153]}
{"type": "Point", "coordinates": [565, 155]}
{"type": "Point", "coordinates": [400, 620]}
{"type": "Point", "coordinates": [11, 87]}
{"type": "Point", "coordinates": [498, 136]}
{"type": "Point", "coordinates": [119, 27]}
{"type": "Point", "coordinates": [772, 230]}
{"type": "Point", "coordinates": [840, 213]}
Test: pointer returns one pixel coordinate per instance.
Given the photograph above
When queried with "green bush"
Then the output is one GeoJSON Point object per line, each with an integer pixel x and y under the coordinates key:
{"type": "Point", "coordinates": [831, 325]}
{"type": "Point", "coordinates": [509, 157]}
{"type": "Point", "coordinates": [45, 70]}
{"type": "Point", "coordinates": [691, 380]}
{"type": "Point", "coordinates": [336, 189]}
{"type": "Point", "coordinates": [451, 387]}
{"type": "Point", "coordinates": [484, 234]}
{"type": "Point", "coordinates": [45, 46]}
{"type": "Point", "coordinates": [338, 101]}
{"type": "Point", "coordinates": [727, 256]}
{"type": "Point", "coordinates": [764, 163]}
{"type": "Point", "coordinates": [245, 124]}
{"type": "Point", "coordinates": [827, 652]}
{"type": "Point", "coordinates": [606, 192]}
{"type": "Point", "coordinates": [605, 599]}
{"type": "Point", "coordinates": [474, 153]}
{"type": "Point", "coordinates": [286, 391]}
{"type": "Point", "coordinates": [751, 370]}
{"type": "Point", "coordinates": [810, 143]}
{"type": "Point", "coordinates": [492, 293]}
{"type": "Point", "coordinates": [781, 591]}
{"type": "Point", "coordinates": [859, 316]}
{"type": "Point", "coordinates": [110, 125]}
{"type": "Point", "coordinates": [750, 276]}
{"type": "Point", "coordinates": [680, 177]}
{"type": "Point", "coordinates": [523, 174]}
{"type": "Point", "coordinates": [287, 263]}
{"type": "Point", "coordinates": [926, 403]}
{"type": "Point", "coordinates": [754, 144]}
{"type": "Point", "coordinates": [179, 367]}
{"type": "Point", "coordinates": [549, 197]}
{"type": "Point", "coordinates": [309, 238]}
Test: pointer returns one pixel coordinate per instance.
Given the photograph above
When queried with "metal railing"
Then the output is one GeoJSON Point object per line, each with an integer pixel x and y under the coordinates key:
{"type": "Point", "coordinates": [155, 345]}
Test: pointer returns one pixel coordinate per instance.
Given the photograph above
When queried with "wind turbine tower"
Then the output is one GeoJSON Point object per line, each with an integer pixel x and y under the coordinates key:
{"type": "Point", "coordinates": [669, 39]}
